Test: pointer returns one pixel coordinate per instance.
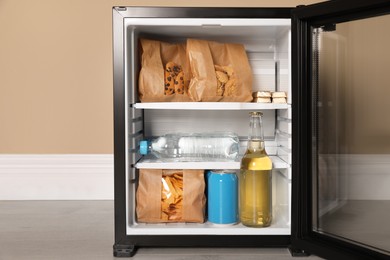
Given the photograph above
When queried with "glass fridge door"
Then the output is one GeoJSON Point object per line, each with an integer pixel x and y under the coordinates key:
{"type": "Point", "coordinates": [342, 129]}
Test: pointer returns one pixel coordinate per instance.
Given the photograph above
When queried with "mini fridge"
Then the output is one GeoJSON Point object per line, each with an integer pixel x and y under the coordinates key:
{"type": "Point", "coordinates": [329, 143]}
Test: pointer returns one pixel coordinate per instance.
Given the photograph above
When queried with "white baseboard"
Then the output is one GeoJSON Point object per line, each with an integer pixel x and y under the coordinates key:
{"type": "Point", "coordinates": [56, 177]}
{"type": "Point", "coordinates": [91, 177]}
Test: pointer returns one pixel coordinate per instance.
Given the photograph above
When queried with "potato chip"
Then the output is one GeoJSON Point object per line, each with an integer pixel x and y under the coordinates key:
{"type": "Point", "coordinates": [172, 196]}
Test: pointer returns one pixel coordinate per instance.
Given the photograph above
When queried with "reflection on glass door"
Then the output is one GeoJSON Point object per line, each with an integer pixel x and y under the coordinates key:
{"type": "Point", "coordinates": [351, 130]}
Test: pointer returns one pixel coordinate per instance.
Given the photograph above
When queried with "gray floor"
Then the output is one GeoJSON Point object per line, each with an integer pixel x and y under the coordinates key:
{"type": "Point", "coordinates": [84, 230]}
{"type": "Point", "coordinates": [362, 221]}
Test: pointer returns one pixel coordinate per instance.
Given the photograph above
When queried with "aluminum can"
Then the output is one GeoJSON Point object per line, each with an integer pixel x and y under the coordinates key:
{"type": "Point", "coordinates": [222, 196]}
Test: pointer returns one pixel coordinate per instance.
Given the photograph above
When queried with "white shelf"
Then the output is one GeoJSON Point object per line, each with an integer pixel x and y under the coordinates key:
{"type": "Point", "coordinates": [148, 163]}
{"type": "Point", "coordinates": [278, 227]}
{"type": "Point", "coordinates": [210, 106]}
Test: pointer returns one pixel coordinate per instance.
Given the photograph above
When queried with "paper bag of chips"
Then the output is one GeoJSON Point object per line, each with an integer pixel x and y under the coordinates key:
{"type": "Point", "coordinates": [170, 196]}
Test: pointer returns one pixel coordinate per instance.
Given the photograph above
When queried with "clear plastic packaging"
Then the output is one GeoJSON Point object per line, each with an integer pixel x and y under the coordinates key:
{"type": "Point", "coordinates": [219, 146]}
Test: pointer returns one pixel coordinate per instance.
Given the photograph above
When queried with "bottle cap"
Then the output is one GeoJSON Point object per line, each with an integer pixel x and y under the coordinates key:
{"type": "Point", "coordinates": [255, 113]}
{"type": "Point", "coordinates": [143, 147]}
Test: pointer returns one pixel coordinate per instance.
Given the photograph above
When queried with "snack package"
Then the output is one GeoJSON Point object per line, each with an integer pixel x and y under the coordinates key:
{"type": "Point", "coordinates": [220, 72]}
{"type": "Point", "coordinates": [233, 71]}
{"type": "Point", "coordinates": [203, 84]}
{"type": "Point", "coordinates": [165, 73]}
{"type": "Point", "coordinates": [170, 196]}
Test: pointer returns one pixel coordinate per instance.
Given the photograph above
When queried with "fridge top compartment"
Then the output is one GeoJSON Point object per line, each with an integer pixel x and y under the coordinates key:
{"type": "Point", "coordinates": [266, 41]}
{"type": "Point", "coordinates": [258, 35]}
{"type": "Point", "coordinates": [179, 28]}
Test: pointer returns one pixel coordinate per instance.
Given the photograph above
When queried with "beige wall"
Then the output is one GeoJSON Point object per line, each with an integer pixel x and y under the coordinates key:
{"type": "Point", "coordinates": [56, 72]}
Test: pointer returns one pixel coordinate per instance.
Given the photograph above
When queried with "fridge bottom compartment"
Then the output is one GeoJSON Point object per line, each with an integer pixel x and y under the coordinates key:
{"type": "Point", "coordinates": [278, 227]}
{"type": "Point", "coordinates": [281, 223]}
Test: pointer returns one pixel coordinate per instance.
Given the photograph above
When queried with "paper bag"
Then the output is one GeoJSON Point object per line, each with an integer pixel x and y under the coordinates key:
{"type": "Point", "coordinates": [231, 59]}
{"type": "Point", "coordinates": [203, 84]}
{"type": "Point", "coordinates": [164, 74]}
{"type": "Point", "coordinates": [220, 72]}
{"type": "Point", "coordinates": [170, 196]}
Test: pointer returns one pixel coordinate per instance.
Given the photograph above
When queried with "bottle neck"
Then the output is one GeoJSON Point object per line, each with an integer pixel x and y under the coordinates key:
{"type": "Point", "coordinates": [256, 134]}
{"type": "Point", "coordinates": [256, 128]}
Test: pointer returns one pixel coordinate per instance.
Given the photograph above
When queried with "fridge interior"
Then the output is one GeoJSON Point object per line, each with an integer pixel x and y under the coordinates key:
{"type": "Point", "coordinates": [268, 45]}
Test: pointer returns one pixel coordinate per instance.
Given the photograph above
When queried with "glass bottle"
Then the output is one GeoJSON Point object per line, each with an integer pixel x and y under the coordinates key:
{"type": "Point", "coordinates": [256, 178]}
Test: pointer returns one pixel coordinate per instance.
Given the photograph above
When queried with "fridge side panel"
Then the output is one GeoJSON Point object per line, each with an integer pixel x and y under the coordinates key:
{"type": "Point", "coordinates": [119, 128]}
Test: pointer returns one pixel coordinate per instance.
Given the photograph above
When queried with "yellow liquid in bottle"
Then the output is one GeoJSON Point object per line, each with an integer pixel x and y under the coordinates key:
{"type": "Point", "coordinates": [256, 187]}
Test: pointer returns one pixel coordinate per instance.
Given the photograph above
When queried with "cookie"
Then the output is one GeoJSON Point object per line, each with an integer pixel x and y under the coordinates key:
{"type": "Point", "coordinates": [279, 94]}
{"type": "Point", "coordinates": [222, 77]}
{"type": "Point", "coordinates": [173, 82]}
{"type": "Point", "coordinates": [220, 88]}
{"type": "Point", "coordinates": [262, 100]}
{"type": "Point", "coordinates": [230, 87]}
{"type": "Point", "coordinates": [179, 83]}
{"type": "Point", "coordinates": [228, 70]}
{"type": "Point", "coordinates": [262, 94]}
{"type": "Point", "coordinates": [279, 100]}
{"type": "Point", "coordinates": [226, 82]}
{"type": "Point", "coordinates": [173, 68]}
{"type": "Point", "coordinates": [169, 87]}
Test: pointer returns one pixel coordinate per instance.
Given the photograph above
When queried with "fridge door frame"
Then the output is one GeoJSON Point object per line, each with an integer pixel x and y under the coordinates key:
{"type": "Point", "coordinates": [304, 239]}
{"type": "Point", "coordinates": [126, 245]}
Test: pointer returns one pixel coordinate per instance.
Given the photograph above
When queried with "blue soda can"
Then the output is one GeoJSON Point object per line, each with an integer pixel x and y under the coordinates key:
{"type": "Point", "coordinates": [222, 186]}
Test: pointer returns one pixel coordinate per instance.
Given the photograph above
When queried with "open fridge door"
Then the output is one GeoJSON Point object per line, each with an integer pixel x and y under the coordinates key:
{"type": "Point", "coordinates": [341, 203]}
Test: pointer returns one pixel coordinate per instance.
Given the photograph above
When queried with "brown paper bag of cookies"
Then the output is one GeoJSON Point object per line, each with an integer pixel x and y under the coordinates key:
{"type": "Point", "coordinates": [220, 72]}
{"type": "Point", "coordinates": [164, 74]}
{"type": "Point", "coordinates": [203, 84]}
{"type": "Point", "coordinates": [233, 72]}
{"type": "Point", "coordinates": [170, 196]}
